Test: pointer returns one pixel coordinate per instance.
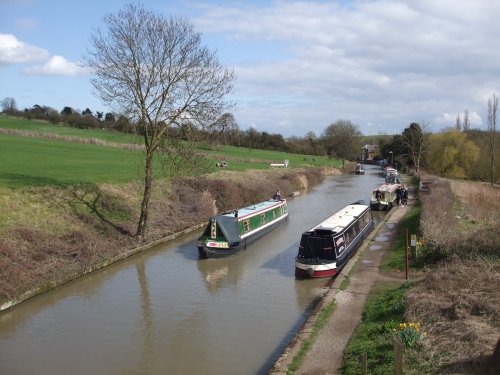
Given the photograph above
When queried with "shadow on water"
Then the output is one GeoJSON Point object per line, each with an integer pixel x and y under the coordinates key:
{"type": "Point", "coordinates": [189, 249]}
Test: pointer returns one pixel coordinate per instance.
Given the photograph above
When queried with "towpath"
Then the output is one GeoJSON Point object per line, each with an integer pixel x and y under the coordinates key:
{"type": "Point", "coordinates": [325, 355]}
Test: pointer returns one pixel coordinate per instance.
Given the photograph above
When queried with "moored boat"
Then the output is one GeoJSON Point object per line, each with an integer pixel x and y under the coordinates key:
{"type": "Point", "coordinates": [383, 197]}
{"type": "Point", "coordinates": [392, 176]}
{"type": "Point", "coordinates": [231, 232]}
{"type": "Point", "coordinates": [326, 248]}
{"type": "Point", "coordinates": [360, 169]}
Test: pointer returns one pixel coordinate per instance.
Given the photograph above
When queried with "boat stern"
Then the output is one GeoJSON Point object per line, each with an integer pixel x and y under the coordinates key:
{"type": "Point", "coordinates": [209, 248]}
{"type": "Point", "coordinates": [313, 270]}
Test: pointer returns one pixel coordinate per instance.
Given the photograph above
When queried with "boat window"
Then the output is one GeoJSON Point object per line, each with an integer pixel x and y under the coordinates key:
{"type": "Point", "coordinates": [363, 221]}
{"type": "Point", "coordinates": [246, 225]}
{"type": "Point", "coordinates": [263, 218]}
{"type": "Point", "coordinates": [339, 245]}
{"type": "Point", "coordinates": [274, 214]}
{"type": "Point", "coordinates": [213, 233]}
{"type": "Point", "coordinates": [350, 234]}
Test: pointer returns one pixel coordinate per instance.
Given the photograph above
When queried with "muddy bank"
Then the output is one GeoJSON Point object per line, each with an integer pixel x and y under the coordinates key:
{"type": "Point", "coordinates": [56, 234]}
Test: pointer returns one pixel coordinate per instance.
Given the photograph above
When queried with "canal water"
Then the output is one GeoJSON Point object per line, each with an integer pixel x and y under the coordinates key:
{"type": "Point", "coordinates": [167, 312]}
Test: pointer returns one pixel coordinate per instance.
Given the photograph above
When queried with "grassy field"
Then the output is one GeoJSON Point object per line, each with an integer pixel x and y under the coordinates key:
{"type": "Point", "coordinates": [31, 161]}
{"type": "Point", "coordinates": [41, 127]}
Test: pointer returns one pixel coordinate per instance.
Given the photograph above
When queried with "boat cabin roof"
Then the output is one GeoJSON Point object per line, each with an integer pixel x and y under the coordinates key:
{"type": "Point", "coordinates": [387, 187]}
{"type": "Point", "coordinates": [341, 219]}
{"type": "Point", "coordinates": [254, 209]}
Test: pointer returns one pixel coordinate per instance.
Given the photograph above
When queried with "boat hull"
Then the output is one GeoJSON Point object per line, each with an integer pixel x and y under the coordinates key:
{"type": "Point", "coordinates": [380, 206]}
{"type": "Point", "coordinates": [209, 252]}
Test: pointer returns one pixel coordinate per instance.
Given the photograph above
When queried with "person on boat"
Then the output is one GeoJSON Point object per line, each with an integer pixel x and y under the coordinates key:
{"type": "Point", "coordinates": [378, 194]}
{"type": "Point", "coordinates": [277, 195]}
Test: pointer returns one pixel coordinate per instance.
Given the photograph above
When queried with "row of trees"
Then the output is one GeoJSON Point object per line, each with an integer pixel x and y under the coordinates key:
{"type": "Point", "coordinates": [457, 153]}
{"type": "Point", "coordinates": [338, 139]}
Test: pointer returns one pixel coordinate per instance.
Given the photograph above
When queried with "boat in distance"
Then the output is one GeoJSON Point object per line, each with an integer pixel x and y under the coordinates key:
{"type": "Point", "coordinates": [384, 197]}
{"type": "Point", "coordinates": [360, 169]}
{"type": "Point", "coordinates": [231, 232]}
{"type": "Point", "coordinates": [326, 248]}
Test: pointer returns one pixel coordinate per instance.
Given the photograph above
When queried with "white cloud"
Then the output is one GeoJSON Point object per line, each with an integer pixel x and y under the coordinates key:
{"type": "Point", "coordinates": [13, 51]}
{"type": "Point", "coordinates": [450, 119]}
{"type": "Point", "coordinates": [382, 64]}
{"type": "Point", "coordinates": [56, 66]}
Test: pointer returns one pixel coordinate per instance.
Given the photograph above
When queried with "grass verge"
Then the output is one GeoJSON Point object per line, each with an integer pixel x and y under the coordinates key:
{"type": "Point", "coordinates": [383, 312]}
{"type": "Point", "coordinates": [394, 261]}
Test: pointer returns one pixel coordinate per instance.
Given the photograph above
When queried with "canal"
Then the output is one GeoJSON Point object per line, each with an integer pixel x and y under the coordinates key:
{"type": "Point", "coordinates": [167, 312]}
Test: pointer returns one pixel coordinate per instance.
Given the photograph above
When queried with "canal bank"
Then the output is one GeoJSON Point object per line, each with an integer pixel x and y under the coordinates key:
{"type": "Point", "coordinates": [325, 353]}
{"type": "Point", "coordinates": [38, 260]}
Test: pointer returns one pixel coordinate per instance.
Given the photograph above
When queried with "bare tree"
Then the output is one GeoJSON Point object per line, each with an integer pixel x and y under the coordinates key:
{"type": "Point", "coordinates": [9, 105]}
{"type": "Point", "coordinates": [492, 128]}
{"type": "Point", "coordinates": [155, 70]}
{"type": "Point", "coordinates": [466, 125]}
{"type": "Point", "coordinates": [458, 124]}
{"type": "Point", "coordinates": [223, 127]}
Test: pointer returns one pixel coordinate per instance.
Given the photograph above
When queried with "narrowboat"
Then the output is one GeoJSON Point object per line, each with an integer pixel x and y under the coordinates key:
{"type": "Point", "coordinates": [392, 176]}
{"type": "Point", "coordinates": [383, 197]}
{"type": "Point", "coordinates": [231, 232]}
{"type": "Point", "coordinates": [326, 248]}
{"type": "Point", "coordinates": [360, 169]}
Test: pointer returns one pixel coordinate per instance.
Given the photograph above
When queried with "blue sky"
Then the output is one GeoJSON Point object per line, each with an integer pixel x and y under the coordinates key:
{"type": "Point", "coordinates": [300, 65]}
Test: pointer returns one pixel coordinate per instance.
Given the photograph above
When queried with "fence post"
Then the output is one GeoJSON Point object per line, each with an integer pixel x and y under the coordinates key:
{"type": "Point", "coordinates": [398, 356]}
{"type": "Point", "coordinates": [364, 363]}
{"type": "Point", "coordinates": [406, 251]}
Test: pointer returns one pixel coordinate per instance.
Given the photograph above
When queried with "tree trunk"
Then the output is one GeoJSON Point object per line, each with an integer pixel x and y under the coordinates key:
{"type": "Point", "coordinates": [148, 186]}
{"type": "Point", "coordinates": [493, 159]}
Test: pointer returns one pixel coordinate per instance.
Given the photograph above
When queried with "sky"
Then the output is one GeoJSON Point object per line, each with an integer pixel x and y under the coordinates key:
{"type": "Point", "coordinates": [300, 65]}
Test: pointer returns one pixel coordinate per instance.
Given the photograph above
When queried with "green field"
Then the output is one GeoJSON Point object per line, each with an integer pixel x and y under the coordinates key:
{"type": "Point", "coordinates": [31, 161]}
{"type": "Point", "coordinates": [67, 131]}
{"type": "Point", "coordinates": [28, 161]}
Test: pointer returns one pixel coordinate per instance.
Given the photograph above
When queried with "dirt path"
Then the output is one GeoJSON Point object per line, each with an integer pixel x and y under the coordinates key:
{"type": "Point", "coordinates": [325, 356]}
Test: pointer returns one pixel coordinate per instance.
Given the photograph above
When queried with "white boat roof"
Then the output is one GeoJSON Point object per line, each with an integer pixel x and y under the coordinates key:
{"type": "Point", "coordinates": [341, 219]}
{"type": "Point", "coordinates": [387, 187]}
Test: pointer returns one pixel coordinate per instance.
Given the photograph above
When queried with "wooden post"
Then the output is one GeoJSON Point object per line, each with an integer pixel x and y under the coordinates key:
{"type": "Point", "coordinates": [398, 356]}
{"type": "Point", "coordinates": [406, 251]}
{"type": "Point", "coordinates": [364, 364]}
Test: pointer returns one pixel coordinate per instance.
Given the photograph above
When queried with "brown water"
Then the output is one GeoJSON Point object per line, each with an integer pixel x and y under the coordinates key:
{"type": "Point", "coordinates": [167, 312]}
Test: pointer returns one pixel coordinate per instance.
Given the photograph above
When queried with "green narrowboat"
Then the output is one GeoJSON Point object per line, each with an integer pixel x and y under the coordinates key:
{"type": "Point", "coordinates": [231, 232]}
